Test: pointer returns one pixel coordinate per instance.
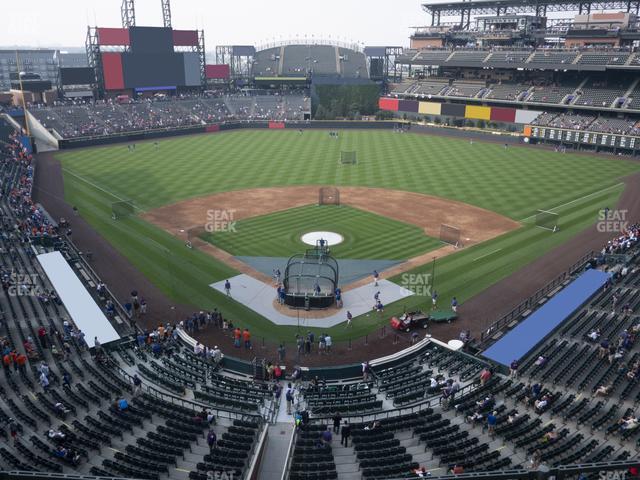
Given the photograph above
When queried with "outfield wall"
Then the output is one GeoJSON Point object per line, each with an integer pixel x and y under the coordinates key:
{"type": "Point", "coordinates": [459, 110]}
{"type": "Point", "coordinates": [217, 127]}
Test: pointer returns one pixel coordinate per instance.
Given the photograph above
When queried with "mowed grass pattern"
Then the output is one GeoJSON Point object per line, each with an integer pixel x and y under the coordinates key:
{"type": "Point", "coordinates": [515, 181]}
{"type": "Point", "coordinates": [366, 235]}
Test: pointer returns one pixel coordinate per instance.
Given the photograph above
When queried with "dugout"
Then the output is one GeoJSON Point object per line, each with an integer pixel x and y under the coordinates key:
{"type": "Point", "coordinates": [310, 280]}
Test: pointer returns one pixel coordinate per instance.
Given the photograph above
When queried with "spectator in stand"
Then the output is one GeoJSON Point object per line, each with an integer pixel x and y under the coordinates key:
{"type": "Point", "coordinates": [603, 390]}
{"type": "Point", "coordinates": [492, 420]}
{"type": "Point", "coordinates": [485, 375]}
{"type": "Point", "coordinates": [212, 440]}
{"type": "Point", "coordinates": [540, 361]}
{"type": "Point", "coordinates": [325, 439]}
{"type": "Point", "coordinates": [246, 337]}
{"type": "Point", "coordinates": [337, 418]}
{"type": "Point", "coordinates": [513, 369]}
{"type": "Point", "coordinates": [345, 433]}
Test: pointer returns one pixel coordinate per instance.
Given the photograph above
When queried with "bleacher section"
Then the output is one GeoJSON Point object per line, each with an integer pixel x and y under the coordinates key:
{"type": "Point", "coordinates": [266, 62]}
{"type": "Point", "coordinates": [603, 58]}
{"type": "Point", "coordinates": [465, 89]}
{"type": "Point", "coordinates": [507, 58]}
{"type": "Point", "coordinates": [550, 57]}
{"type": "Point", "coordinates": [352, 65]}
{"type": "Point", "coordinates": [554, 94]}
{"type": "Point", "coordinates": [305, 60]}
{"type": "Point", "coordinates": [592, 95]}
{"type": "Point", "coordinates": [81, 120]}
{"type": "Point", "coordinates": [505, 91]}
{"type": "Point", "coordinates": [64, 402]}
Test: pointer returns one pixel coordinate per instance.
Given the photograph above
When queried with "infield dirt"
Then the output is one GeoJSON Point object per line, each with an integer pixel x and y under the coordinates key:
{"type": "Point", "coordinates": [425, 211]}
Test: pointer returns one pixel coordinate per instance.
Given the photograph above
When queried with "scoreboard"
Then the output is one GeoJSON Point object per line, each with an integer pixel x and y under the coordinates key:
{"type": "Point", "coordinates": [149, 59]}
{"type": "Point", "coordinates": [595, 139]}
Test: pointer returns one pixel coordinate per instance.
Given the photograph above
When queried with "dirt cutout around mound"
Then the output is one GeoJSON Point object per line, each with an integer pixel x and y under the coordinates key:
{"type": "Point", "coordinates": [425, 211]}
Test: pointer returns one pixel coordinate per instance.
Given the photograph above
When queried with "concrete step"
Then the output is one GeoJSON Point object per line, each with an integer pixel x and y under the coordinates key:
{"type": "Point", "coordinates": [178, 473]}
{"type": "Point", "coordinates": [410, 442]}
{"type": "Point", "coordinates": [343, 459]}
{"type": "Point", "coordinates": [349, 476]}
{"type": "Point", "coordinates": [340, 451]}
{"type": "Point", "coordinates": [347, 467]}
{"type": "Point", "coordinates": [422, 457]}
{"type": "Point", "coordinates": [403, 435]}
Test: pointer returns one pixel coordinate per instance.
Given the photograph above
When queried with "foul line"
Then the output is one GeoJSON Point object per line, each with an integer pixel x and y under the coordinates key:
{"type": "Point", "coordinates": [487, 254]}
{"type": "Point", "coordinates": [576, 200]}
{"type": "Point", "coordinates": [100, 188]}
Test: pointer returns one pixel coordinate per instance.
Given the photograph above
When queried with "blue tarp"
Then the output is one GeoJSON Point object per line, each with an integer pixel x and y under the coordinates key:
{"type": "Point", "coordinates": [523, 338]}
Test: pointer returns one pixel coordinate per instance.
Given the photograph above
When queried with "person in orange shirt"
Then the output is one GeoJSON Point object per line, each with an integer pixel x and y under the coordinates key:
{"type": "Point", "coordinates": [246, 336]}
{"type": "Point", "coordinates": [6, 361]}
{"type": "Point", "coordinates": [237, 333]}
{"type": "Point", "coordinates": [21, 361]}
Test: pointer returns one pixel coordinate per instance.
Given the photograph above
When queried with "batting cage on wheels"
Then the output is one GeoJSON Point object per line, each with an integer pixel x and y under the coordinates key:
{"type": "Point", "coordinates": [450, 234]}
{"type": "Point", "coordinates": [123, 209]}
{"type": "Point", "coordinates": [310, 280]}
{"type": "Point", "coordinates": [348, 157]}
{"type": "Point", "coordinates": [329, 196]}
{"type": "Point", "coordinates": [547, 220]}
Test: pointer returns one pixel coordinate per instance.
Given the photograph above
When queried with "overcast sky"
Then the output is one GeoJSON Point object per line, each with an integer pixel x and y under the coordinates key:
{"type": "Point", "coordinates": [44, 23]}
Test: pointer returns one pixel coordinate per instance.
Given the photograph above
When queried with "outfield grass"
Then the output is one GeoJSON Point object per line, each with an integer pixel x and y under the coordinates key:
{"type": "Point", "coordinates": [365, 235]}
{"type": "Point", "coordinates": [514, 182]}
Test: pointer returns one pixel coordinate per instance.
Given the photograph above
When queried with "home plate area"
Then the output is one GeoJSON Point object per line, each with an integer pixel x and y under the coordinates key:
{"type": "Point", "coordinates": [259, 297]}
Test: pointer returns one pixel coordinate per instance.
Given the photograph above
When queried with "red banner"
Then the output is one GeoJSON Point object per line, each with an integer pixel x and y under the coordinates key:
{"type": "Point", "coordinates": [388, 104]}
{"type": "Point", "coordinates": [185, 38]}
{"type": "Point", "coordinates": [212, 128]}
{"type": "Point", "coordinates": [217, 71]}
{"type": "Point", "coordinates": [113, 36]}
{"type": "Point", "coordinates": [501, 114]}
{"type": "Point", "coordinates": [276, 125]}
{"type": "Point", "coordinates": [112, 67]}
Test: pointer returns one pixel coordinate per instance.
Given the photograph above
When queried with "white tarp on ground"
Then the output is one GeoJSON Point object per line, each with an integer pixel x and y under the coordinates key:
{"type": "Point", "coordinates": [260, 298]}
{"type": "Point", "coordinates": [82, 308]}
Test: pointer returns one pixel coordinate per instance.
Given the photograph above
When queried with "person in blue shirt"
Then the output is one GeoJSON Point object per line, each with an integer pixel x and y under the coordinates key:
{"type": "Point", "coordinates": [491, 422]}
{"type": "Point", "coordinates": [454, 305]}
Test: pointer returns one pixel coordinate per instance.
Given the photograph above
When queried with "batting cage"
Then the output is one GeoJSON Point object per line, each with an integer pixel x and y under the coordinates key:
{"type": "Point", "coordinates": [123, 209]}
{"type": "Point", "coordinates": [329, 196]}
{"type": "Point", "coordinates": [450, 234]}
{"type": "Point", "coordinates": [310, 280]}
{"type": "Point", "coordinates": [547, 220]}
{"type": "Point", "coordinates": [348, 157]}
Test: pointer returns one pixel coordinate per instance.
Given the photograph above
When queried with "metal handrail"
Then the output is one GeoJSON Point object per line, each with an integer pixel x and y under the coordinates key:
{"type": "Point", "coordinates": [287, 464]}
{"type": "Point", "coordinates": [398, 412]}
{"type": "Point", "coordinates": [195, 406]}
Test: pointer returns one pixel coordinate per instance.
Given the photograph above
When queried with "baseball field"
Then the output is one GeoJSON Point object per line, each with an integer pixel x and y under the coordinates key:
{"type": "Point", "coordinates": [401, 188]}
